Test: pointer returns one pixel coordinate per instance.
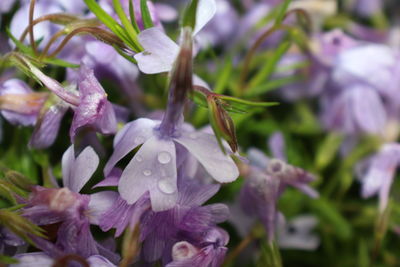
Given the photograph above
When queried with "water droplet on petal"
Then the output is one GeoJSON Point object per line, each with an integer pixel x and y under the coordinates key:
{"type": "Point", "coordinates": [166, 186]}
{"type": "Point", "coordinates": [139, 139]}
{"type": "Point", "coordinates": [164, 157]}
{"type": "Point", "coordinates": [139, 158]}
{"type": "Point", "coordinates": [147, 172]}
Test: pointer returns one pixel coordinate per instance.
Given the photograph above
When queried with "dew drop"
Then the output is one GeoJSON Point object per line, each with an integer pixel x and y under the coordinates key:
{"type": "Point", "coordinates": [139, 158]}
{"type": "Point", "coordinates": [139, 139]}
{"type": "Point", "coordinates": [164, 157]}
{"type": "Point", "coordinates": [147, 172]}
{"type": "Point", "coordinates": [166, 186]}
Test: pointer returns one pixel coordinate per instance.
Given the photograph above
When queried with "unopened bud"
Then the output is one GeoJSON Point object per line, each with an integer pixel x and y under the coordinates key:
{"type": "Point", "coordinates": [222, 123]}
{"type": "Point", "coordinates": [181, 83]}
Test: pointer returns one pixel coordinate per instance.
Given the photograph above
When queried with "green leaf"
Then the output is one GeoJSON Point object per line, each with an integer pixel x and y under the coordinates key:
{"type": "Point", "coordinates": [271, 85]}
{"type": "Point", "coordinates": [269, 67]}
{"type": "Point", "coordinates": [124, 55]}
{"type": "Point", "coordinates": [131, 32]}
{"type": "Point", "coordinates": [270, 255]}
{"type": "Point", "coordinates": [25, 49]}
{"type": "Point", "coordinates": [363, 254]}
{"type": "Point", "coordinates": [328, 149]}
{"type": "Point", "coordinates": [242, 106]}
{"type": "Point", "coordinates": [146, 17]}
{"type": "Point", "coordinates": [132, 15]}
{"type": "Point", "coordinates": [112, 24]}
{"type": "Point", "coordinates": [7, 260]}
{"type": "Point", "coordinates": [60, 63]}
{"type": "Point", "coordinates": [282, 12]}
{"type": "Point", "coordinates": [331, 217]}
{"type": "Point", "coordinates": [101, 14]}
{"type": "Point", "coordinates": [189, 17]}
{"type": "Point", "coordinates": [223, 76]}
{"type": "Point", "coordinates": [19, 225]}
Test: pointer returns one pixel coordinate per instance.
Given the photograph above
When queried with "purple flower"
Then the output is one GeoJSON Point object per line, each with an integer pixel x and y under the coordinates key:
{"type": "Point", "coordinates": [364, 95]}
{"type": "Point", "coordinates": [97, 55]}
{"type": "Point", "coordinates": [325, 49]}
{"type": "Point", "coordinates": [377, 173]}
{"type": "Point", "coordinates": [91, 107]}
{"type": "Point", "coordinates": [94, 109]}
{"type": "Point", "coordinates": [186, 221]}
{"type": "Point", "coordinates": [160, 51]}
{"type": "Point", "coordinates": [153, 168]}
{"type": "Point", "coordinates": [74, 211]}
{"type": "Point", "coordinates": [19, 104]}
{"type": "Point", "coordinates": [267, 180]}
{"type": "Point", "coordinates": [40, 259]}
{"type": "Point", "coordinates": [212, 253]}
{"type": "Point", "coordinates": [358, 109]}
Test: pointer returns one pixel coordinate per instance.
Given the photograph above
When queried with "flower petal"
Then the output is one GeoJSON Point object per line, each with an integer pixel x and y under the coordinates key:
{"type": "Point", "coordinates": [193, 194]}
{"type": "Point", "coordinates": [276, 144]}
{"type": "Point", "coordinates": [34, 259]}
{"type": "Point", "coordinates": [368, 108]}
{"type": "Point", "coordinates": [97, 260]}
{"type": "Point", "coordinates": [99, 203]}
{"type": "Point", "coordinates": [206, 10]}
{"type": "Point", "coordinates": [76, 172]}
{"type": "Point", "coordinates": [94, 109]}
{"type": "Point", "coordinates": [160, 51]}
{"type": "Point", "coordinates": [128, 138]}
{"type": "Point", "coordinates": [46, 129]}
{"type": "Point", "coordinates": [205, 148]}
{"type": "Point", "coordinates": [257, 158]}
{"type": "Point", "coordinates": [152, 169]}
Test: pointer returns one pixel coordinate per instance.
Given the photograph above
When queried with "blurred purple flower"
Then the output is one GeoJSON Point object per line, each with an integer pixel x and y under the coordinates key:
{"type": "Point", "coordinates": [19, 104]}
{"type": "Point", "coordinates": [46, 29]}
{"type": "Point", "coordinates": [6, 5]}
{"type": "Point", "coordinates": [364, 95]}
{"type": "Point", "coordinates": [325, 49]}
{"type": "Point", "coordinates": [377, 173]}
{"type": "Point", "coordinates": [9, 242]}
{"type": "Point", "coordinates": [267, 180]}
{"type": "Point", "coordinates": [222, 27]}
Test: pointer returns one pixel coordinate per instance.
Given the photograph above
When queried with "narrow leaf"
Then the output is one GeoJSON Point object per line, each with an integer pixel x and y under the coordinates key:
{"type": "Point", "coordinates": [189, 17]}
{"type": "Point", "coordinates": [146, 17]}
